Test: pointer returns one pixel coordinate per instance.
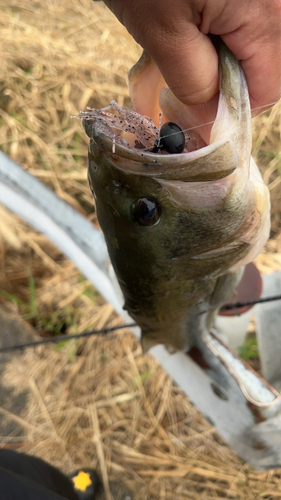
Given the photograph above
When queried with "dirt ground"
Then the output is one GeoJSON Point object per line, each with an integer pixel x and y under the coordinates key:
{"type": "Point", "coordinates": [97, 402]}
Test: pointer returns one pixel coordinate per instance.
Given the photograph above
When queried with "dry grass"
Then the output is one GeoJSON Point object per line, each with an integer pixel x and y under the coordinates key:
{"type": "Point", "coordinates": [98, 402]}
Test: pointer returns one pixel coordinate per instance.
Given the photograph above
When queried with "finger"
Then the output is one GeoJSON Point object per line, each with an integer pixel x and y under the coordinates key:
{"type": "Point", "coordinates": [261, 64]}
{"type": "Point", "coordinates": [189, 64]}
{"type": "Point", "coordinates": [169, 32]}
{"type": "Point", "coordinates": [263, 74]}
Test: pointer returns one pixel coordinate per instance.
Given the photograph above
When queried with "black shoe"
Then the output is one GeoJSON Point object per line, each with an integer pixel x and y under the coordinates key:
{"type": "Point", "coordinates": [86, 483]}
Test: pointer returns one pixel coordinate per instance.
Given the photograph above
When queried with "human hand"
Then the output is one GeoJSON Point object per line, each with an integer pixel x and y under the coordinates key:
{"type": "Point", "coordinates": [174, 33]}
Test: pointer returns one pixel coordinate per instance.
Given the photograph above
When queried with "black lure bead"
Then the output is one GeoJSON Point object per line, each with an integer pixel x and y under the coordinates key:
{"type": "Point", "coordinates": [171, 139]}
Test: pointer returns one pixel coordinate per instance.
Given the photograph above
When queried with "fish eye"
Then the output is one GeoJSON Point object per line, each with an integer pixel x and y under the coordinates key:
{"type": "Point", "coordinates": [146, 211]}
{"type": "Point", "coordinates": [172, 138]}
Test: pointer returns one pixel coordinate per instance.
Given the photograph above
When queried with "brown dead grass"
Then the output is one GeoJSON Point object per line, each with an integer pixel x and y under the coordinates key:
{"type": "Point", "coordinates": [98, 402]}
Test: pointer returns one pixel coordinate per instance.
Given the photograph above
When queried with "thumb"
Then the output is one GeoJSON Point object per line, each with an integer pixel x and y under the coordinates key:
{"type": "Point", "coordinates": [189, 65]}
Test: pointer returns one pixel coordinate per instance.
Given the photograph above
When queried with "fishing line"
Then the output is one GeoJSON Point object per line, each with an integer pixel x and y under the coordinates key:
{"type": "Point", "coordinates": [98, 112]}
{"type": "Point", "coordinates": [239, 305]}
{"type": "Point", "coordinates": [104, 331]}
{"type": "Point", "coordinates": [62, 338]}
{"type": "Point", "coordinates": [218, 120]}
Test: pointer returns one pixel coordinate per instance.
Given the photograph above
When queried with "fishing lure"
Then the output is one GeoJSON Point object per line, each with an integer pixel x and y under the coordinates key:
{"type": "Point", "coordinates": [127, 127]}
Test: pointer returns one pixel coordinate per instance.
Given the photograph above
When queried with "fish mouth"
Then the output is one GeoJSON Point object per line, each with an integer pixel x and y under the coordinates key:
{"type": "Point", "coordinates": [212, 131]}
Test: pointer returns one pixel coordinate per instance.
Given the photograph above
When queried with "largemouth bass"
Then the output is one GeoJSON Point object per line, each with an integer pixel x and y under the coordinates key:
{"type": "Point", "coordinates": [179, 227]}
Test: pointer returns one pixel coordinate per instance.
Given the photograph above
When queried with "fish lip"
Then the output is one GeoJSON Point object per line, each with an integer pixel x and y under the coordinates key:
{"type": "Point", "coordinates": [107, 144]}
{"type": "Point", "coordinates": [203, 165]}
